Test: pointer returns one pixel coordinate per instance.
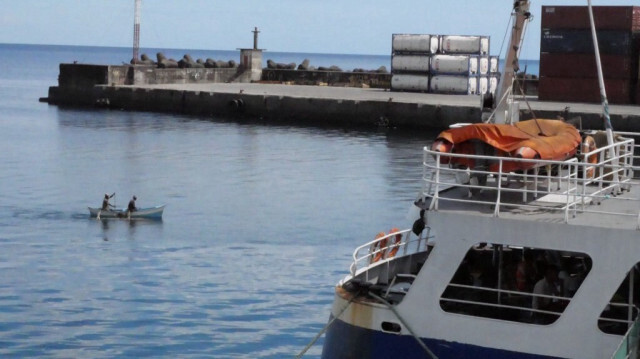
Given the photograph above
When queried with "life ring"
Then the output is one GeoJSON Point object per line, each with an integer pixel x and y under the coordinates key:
{"type": "Point", "coordinates": [589, 145]}
{"type": "Point", "coordinates": [380, 246]}
{"type": "Point", "coordinates": [527, 153]}
{"type": "Point", "coordinates": [396, 242]}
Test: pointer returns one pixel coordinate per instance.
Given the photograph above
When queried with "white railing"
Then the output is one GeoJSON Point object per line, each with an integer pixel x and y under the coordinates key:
{"type": "Point", "coordinates": [398, 244]}
{"type": "Point", "coordinates": [569, 185]}
{"type": "Point", "coordinates": [634, 152]}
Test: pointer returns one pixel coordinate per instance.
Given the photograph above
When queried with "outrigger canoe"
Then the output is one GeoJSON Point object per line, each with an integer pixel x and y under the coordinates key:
{"type": "Point", "coordinates": [148, 213]}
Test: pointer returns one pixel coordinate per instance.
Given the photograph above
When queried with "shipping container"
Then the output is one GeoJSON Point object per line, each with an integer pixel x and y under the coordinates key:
{"type": "Point", "coordinates": [584, 90]}
{"type": "Point", "coordinates": [584, 65]}
{"type": "Point", "coordinates": [488, 84]}
{"type": "Point", "coordinates": [410, 63]}
{"type": "Point", "coordinates": [494, 64]}
{"type": "Point", "coordinates": [410, 83]}
{"type": "Point", "coordinates": [447, 84]}
{"type": "Point", "coordinates": [581, 42]}
{"type": "Point", "coordinates": [455, 44]}
{"type": "Point", "coordinates": [416, 43]}
{"type": "Point", "coordinates": [483, 85]}
{"type": "Point", "coordinates": [460, 64]}
{"type": "Point", "coordinates": [637, 94]}
{"type": "Point", "coordinates": [494, 81]}
{"type": "Point", "coordinates": [625, 18]}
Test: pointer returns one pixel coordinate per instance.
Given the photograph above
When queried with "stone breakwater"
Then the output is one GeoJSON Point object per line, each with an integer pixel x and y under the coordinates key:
{"type": "Point", "coordinates": [212, 92]}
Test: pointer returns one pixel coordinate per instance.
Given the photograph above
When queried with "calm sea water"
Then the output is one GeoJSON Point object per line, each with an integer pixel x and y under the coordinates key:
{"type": "Point", "coordinates": [261, 222]}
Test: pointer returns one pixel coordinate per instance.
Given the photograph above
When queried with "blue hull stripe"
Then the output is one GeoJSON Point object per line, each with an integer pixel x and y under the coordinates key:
{"type": "Point", "coordinates": [344, 341]}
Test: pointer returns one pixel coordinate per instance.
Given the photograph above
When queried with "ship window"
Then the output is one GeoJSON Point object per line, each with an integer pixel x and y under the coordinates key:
{"type": "Point", "coordinates": [622, 309]}
{"type": "Point", "coordinates": [528, 285]}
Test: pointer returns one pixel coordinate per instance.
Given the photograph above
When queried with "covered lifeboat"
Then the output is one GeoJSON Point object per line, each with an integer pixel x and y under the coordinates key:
{"type": "Point", "coordinates": [533, 139]}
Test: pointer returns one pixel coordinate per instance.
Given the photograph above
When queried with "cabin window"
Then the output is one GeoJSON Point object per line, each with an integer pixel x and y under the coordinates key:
{"type": "Point", "coordinates": [622, 309]}
{"type": "Point", "coordinates": [527, 285]}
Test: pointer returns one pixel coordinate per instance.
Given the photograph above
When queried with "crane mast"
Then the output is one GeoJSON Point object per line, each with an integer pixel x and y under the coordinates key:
{"type": "Point", "coordinates": [521, 16]}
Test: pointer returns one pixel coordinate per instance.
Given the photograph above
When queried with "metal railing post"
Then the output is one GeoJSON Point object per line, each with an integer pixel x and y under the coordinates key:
{"type": "Point", "coordinates": [496, 212]}
{"type": "Point", "coordinates": [434, 199]}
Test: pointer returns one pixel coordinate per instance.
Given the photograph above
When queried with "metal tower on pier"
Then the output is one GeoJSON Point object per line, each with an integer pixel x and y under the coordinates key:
{"type": "Point", "coordinates": [136, 30]}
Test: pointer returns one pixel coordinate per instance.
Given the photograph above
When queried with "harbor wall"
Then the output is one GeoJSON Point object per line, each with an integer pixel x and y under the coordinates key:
{"type": "Point", "coordinates": [270, 108]}
{"type": "Point", "coordinates": [76, 82]}
{"type": "Point", "coordinates": [112, 87]}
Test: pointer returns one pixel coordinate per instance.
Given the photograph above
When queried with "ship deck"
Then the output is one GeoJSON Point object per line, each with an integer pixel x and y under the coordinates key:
{"type": "Point", "coordinates": [608, 210]}
{"type": "Point", "coordinates": [603, 194]}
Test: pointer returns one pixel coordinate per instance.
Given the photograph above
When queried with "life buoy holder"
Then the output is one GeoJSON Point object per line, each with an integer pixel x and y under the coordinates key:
{"type": "Point", "coordinates": [380, 246]}
{"type": "Point", "coordinates": [589, 145]}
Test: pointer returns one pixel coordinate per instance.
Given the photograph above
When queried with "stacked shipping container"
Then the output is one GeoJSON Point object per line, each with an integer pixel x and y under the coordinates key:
{"type": "Point", "coordinates": [567, 58]}
{"type": "Point", "coordinates": [443, 64]}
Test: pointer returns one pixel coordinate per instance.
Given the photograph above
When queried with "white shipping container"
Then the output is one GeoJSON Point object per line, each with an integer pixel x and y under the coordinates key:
{"type": "Point", "coordinates": [483, 65]}
{"type": "Point", "coordinates": [454, 84]}
{"type": "Point", "coordinates": [460, 64]}
{"type": "Point", "coordinates": [415, 43]}
{"type": "Point", "coordinates": [488, 84]}
{"type": "Point", "coordinates": [483, 85]}
{"type": "Point", "coordinates": [453, 64]}
{"type": "Point", "coordinates": [410, 82]}
{"type": "Point", "coordinates": [418, 63]}
{"type": "Point", "coordinates": [454, 44]}
{"type": "Point", "coordinates": [494, 80]}
{"type": "Point", "coordinates": [494, 64]}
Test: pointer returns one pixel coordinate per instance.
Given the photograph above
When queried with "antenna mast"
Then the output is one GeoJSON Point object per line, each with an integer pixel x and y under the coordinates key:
{"type": "Point", "coordinates": [136, 30]}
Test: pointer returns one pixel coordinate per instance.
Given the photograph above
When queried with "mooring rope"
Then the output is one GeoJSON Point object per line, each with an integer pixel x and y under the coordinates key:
{"type": "Point", "coordinates": [420, 342]}
{"type": "Point", "coordinates": [315, 339]}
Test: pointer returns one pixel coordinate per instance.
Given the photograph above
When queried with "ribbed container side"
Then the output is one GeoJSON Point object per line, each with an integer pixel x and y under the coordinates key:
{"type": "Point", "coordinates": [410, 83]}
{"type": "Point", "coordinates": [584, 90]}
{"type": "Point", "coordinates": [459, 44]}
{"type": "Point", "coordinates": [581, 42]}
{"type": "Point", "coordinates": [420, 43]}
{"type": "Point", "coordinates": [410, 63]}
{"type": "Point", "coordinates": [584, 65]}
{"type": "Point", "coordinates": [447, 84]}
{"type": "Point", "coordinates": [460, 64]}
{"type": "Point", "coordinates": [625, 18]}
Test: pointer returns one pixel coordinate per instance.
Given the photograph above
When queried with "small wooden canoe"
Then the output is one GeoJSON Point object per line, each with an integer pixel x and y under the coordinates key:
{"type": "Point", "coordinates": [148, 213]}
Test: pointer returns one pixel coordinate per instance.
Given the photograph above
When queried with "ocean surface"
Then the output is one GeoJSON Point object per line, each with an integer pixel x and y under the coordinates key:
{"type": "Point", "coordinates": [261, 220]}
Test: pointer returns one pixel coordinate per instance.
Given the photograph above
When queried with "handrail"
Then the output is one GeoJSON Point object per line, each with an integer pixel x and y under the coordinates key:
{"type": "Point", "coordinates": [629, 344]}
{"type": "Point", "coordinates": [577, 183]}
{"type": "Point", "coordinates": [404, 243]}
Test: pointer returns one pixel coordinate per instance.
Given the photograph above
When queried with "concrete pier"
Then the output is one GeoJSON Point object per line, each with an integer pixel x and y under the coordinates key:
{"type": "Point", "coordinates": [230, 93]}
{"type": "Point", "coordinates": [338, 105]}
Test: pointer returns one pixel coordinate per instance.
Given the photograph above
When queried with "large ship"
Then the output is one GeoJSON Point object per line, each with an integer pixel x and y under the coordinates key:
{"type": "Point", "coordinates": [522, 249]}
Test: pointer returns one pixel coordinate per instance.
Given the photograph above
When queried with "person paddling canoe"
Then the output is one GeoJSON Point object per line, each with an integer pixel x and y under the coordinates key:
{"type": "Point", "coordinates": [105, 202]}
{"type": "Point", "coordinates": [132, 206]}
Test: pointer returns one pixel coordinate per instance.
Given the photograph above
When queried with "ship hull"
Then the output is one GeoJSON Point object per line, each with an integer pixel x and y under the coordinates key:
{"type": "Point", "coordinates": [346, 341]}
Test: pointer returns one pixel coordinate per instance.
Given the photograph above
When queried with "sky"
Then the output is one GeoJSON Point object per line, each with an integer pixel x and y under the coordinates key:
{"type": "Point", "coordinates": [312, 26]}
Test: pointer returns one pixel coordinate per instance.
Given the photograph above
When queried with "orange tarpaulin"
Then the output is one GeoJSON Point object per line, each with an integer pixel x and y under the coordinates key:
{"type": "Point", "coordinates": [551, 139]}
